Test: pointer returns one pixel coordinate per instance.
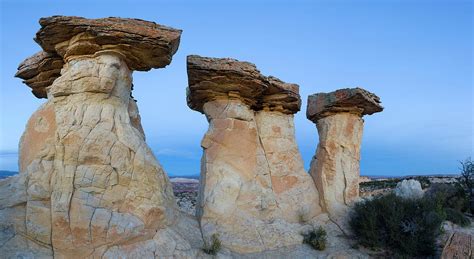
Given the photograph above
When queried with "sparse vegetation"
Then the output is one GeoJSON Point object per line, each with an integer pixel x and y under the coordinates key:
{"type": "Point", "coordinates": [214, 247]}
{"type": "Point", "coordinates": [449, 195]}
{"type": "Point", "coordinates": [457, 217]}
{"type": "Point", "coordinates": [467, 181]}
{"type": "Point", "coordinates": [316, 238]}
{"type": "Point", "coordinates": [379, 184]}
{"type": "Point", "coordinates": [405, 226]}
{"type": "Point", "coordinates": [303, 216]}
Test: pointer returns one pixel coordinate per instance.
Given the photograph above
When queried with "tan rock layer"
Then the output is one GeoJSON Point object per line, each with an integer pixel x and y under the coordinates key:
{"type": "Point", "coordinates": [253, 185]}
{"type": "Point", "coordinates": [225, 78]}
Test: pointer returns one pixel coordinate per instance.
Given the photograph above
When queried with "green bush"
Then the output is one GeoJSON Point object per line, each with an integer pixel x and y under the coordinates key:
{"type": "Point", "coordinates": [214, 247]}
{"type": "Point", "coordinates": [405, 226]}
{"type": "Point", "coordinates": [450, 195]}
{"type": "Point", "coordinates": [457, 217]}
{"type": "Point", "coordinates": [316, 238]}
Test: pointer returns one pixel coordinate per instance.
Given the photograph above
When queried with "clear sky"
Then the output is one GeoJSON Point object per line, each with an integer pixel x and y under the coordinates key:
{"type": "Point", "coordinates": [416, 55]}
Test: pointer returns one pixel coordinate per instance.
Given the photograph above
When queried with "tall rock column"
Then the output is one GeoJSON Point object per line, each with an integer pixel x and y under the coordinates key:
{"type": "Point", "coordinates": [93, 186]}
{"type": "Point", "coordinates": [335, 167]}
{"type": "Point", "coordinates": [294, 189]}
{"type": "Point", "coordinates": [246, 192]}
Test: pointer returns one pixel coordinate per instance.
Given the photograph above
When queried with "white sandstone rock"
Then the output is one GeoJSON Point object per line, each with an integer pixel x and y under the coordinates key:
{"type": "Point", "coordinates": [409, 189]}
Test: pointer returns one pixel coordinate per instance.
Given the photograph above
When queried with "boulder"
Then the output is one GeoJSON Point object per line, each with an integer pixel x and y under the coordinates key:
{"type": "Point", "coordinates": [458, 245]}
{"type": "Point", "coordinates": [409, 189]}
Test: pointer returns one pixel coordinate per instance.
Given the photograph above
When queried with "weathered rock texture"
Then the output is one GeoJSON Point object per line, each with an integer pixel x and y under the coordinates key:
{"type": "Point", "coordinates": [254, 190]}
{"type": "Point", "coordinates": [335, 167]}
{"type": "Point", "coordinates": [39, 71]}
{"type": "Point", "coordinates": [89, 186]}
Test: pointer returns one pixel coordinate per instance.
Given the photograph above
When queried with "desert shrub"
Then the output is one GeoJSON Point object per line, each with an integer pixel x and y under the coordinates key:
{"type": "Point", "coordinates": [450, 195]}
{"type": "Point", "coordinates": [316, 238]}
{"type": "Point", "coordinates": [467, 181]}
{"type": "Point", "coordinates": [214, 247]}
{"type": "Point", "coordinates": [405, 226]}
{"type": "Point", "coordinates": [457, 217]}
{"type": "Point", "coordinates": [379, 184]}
{"type": "Point", "coordinates": [424, 181]}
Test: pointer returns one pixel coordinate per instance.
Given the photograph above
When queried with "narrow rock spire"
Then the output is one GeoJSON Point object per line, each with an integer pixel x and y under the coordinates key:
{"type": "Point", "coordinates": [335, 167]}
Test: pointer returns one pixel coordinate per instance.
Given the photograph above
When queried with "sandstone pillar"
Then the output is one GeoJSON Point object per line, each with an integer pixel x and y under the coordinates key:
{"type": "Point", "coordinates": [92, 185]}
{"type": "Point", "coordinates": [335, 167]}
{"type": "Point", "coordinates": [253, 185]}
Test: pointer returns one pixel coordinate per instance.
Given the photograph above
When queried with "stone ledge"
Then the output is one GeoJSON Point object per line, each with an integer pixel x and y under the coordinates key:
{"type": "Point", "coordinates": [351, 100]}
{"type": "Point", "coordinates": [39, 71]}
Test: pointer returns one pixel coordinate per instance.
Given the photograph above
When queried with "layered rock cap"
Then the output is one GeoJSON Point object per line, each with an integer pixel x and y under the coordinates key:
{"type": "Point", "coordinates": [226, 78]}
{"type": "Point", "coordinates": [142, 44]}
{"type": "Point", "coordinates": [39, 71]}
{"type": "Point", "coordinates": [353, 100]}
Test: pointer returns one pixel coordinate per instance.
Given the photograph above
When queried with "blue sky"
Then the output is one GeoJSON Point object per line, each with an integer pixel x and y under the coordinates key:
{"type": "Point", "coordinates": [416, 55]}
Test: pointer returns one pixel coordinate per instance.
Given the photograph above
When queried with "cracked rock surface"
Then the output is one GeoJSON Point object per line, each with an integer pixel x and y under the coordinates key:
{"type": "Point", "coordinates": [254, 189]}
{"type": "Point", "coordinates": [89, 185]}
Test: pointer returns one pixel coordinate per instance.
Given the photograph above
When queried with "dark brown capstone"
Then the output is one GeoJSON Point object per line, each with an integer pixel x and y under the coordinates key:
{"type": "Point", "coordinates": [281, 96]}
{"type": "Point", "coordinates": [39, 71]}
{"type": "Point", "coordinates": [144, 44]}
{"type": "Point", "coordinates": [352, 100]}
{"type": "Point", "coordinates": [225, 78]}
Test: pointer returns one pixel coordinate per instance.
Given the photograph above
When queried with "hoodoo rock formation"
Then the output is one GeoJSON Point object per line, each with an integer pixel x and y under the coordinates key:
{"type": "Point", "coordinates": [335, 167]}
{"type": "Point", "coordinates": [254, 189]}
{"type": "Point", "coordinates": [89, 186]}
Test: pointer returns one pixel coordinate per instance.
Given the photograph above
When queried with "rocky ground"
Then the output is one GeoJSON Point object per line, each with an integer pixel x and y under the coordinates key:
{"type": "Point", "coordinates": [185, 190]}
{"type": "Point", "coordinates": [453, 237]}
